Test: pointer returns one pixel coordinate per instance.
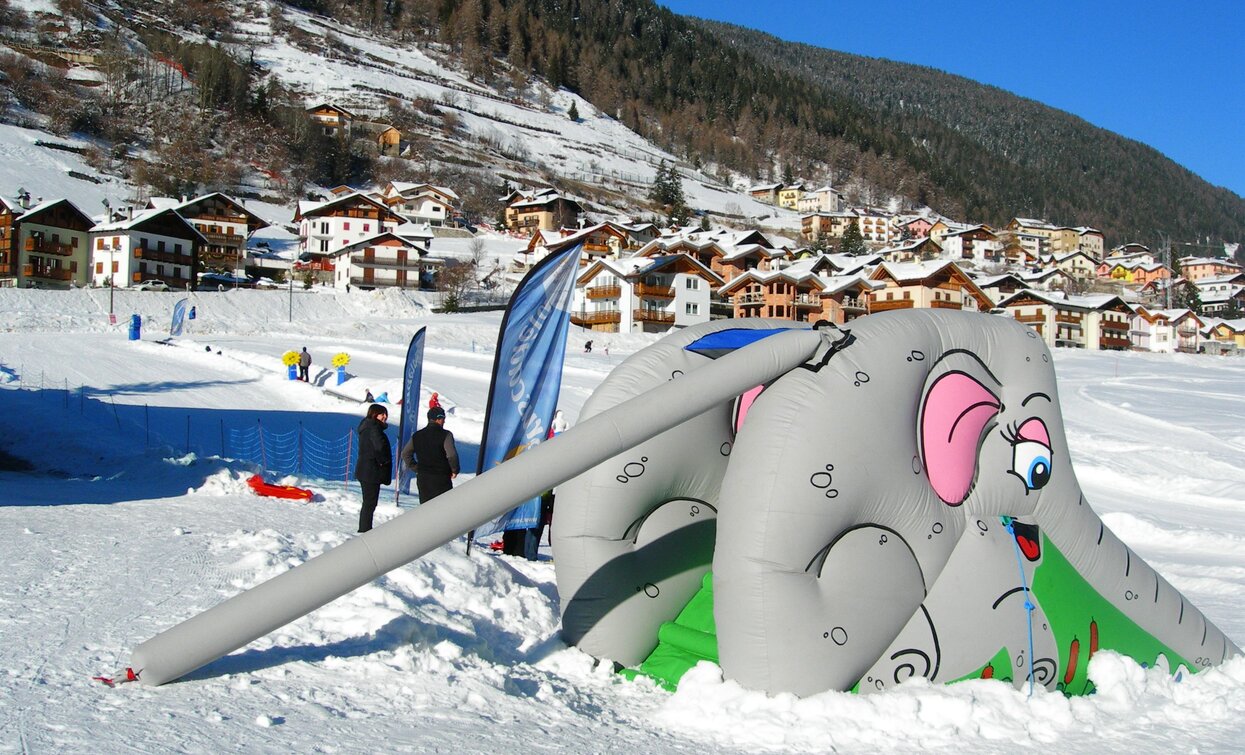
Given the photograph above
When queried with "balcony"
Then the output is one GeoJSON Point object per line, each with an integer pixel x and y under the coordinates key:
{"type": "Point", "coordinates": [410, 265]}
{"type": "Point", "coordinates": [43, 246]}
{"type": "Point", "coordinates": [223, 239]}
{"type": "Point", "coordinates": [750, 299]}
{"type": "Point", "coordinates": [944, 304]}
{"type": "Point", "coordinates": [411, 283]}
{"type": "Point", "coordinates": [604, 292]}
{"type": "Point", "coordinates": [654, 292]}
{"type": "Point", "coordinates": [1072, 321]}
{"type": "Point", "coordinates": [598, 248]}
{"type": "Point", "coordinates": [1113, 342]}
{"type": "Point", "coordinates": [886, 306]}
{"type": "Point", "coordinates": [600, 317]}
{"type": "Point", "coordinates": [808, 300]}
{"type": "Point", "coordinates": [47, 273]}
{"type": "Point", "coordinates": [857, 304]}
{"type": "Point", "coordinates": [171, 258]}
{"type": "Point", "coordinates": [653, 315]}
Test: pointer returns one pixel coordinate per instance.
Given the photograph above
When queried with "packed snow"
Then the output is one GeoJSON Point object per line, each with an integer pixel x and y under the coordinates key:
{"type": "Point", "coordinates": [128, 520]}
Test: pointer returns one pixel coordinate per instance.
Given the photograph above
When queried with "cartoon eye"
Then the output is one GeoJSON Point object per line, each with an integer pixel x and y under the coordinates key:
{"type": "Point", "coordinates": [1031, 463]}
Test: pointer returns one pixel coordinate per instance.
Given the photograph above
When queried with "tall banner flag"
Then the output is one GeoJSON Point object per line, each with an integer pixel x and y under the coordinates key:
{"type": "Point", "coordinates": [527, 372]}
{"type": "Point", "coordinates": [408, 418]}
{"type": "Point", "coordinates": [179, 317]}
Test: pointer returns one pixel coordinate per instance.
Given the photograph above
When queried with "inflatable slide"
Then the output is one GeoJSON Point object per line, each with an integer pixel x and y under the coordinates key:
{"type": "Point", "coordinates": [813, 509]}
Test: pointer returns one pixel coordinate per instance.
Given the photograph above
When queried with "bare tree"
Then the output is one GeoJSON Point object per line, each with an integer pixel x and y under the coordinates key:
{"type": "Point", "coordinates": [455, 280]}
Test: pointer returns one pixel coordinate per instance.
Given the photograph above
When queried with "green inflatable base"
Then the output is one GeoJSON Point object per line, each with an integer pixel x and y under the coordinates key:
{"type": "Point", "coordinates": [1081, 619]}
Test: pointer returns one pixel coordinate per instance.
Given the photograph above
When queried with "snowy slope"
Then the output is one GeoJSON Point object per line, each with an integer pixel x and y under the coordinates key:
{"type": "Point", "coordinates": [116, 536]}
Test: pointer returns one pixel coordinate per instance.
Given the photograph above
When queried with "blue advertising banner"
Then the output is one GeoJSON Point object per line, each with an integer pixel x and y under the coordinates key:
{"type": "Point", "coordinates": [527, 371]}
{"type": "Point", "coordinates": [179, 317]}
{"type": "Point", "coordinates": [408, 418]}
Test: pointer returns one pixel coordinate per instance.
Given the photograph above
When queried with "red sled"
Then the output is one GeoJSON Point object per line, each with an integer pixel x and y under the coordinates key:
{"type": "Point", "coordinates": [278, 491]}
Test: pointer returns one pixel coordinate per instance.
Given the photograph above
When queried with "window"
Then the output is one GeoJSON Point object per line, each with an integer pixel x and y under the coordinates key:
{"type": "Point", "coordinates": [324, 227]}
{"type": "Point", "coordinates": [324, 245]}
{"type": "Point", "coordinates": [692, 284]}
{"type": "Point", "coordinates": [115, 265]}
{"type": "Point", "coordinates": [692, 308]}
{"type": "Point", "coordinates": [177, 248]}
{"type": "Point", "coordinates": [99, 268]}
{"type": "Point", "coordinates": [367, 227]}
{"type": "Point", "coordinates": [99, 243]}
{"type": "Point", "coordinates": [346, 226]}
{"type": "Point", "coordinates": [159, 246]}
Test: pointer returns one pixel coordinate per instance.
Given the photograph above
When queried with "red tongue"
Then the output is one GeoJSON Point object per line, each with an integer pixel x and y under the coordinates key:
{"type": "Point", "coordinates": [1028, 547]}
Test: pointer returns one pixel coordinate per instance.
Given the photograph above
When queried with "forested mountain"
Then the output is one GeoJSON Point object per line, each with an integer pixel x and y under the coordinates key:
{"type": "Point", "coordinates": [1080, 174]}
{"type": "Point", "coordinates": [770, 109]}
{"type": "Point", "coordinates": [735, 102]}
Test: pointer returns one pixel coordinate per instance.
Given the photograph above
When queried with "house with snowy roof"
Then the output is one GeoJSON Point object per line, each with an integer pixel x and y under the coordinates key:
{"type": "Point", "coordinates": [765, 192]}
{"type": "Point", "coordinates": [332, 119]}
{"type": "Point", "coordinates": [643, 294]}
{"type": "Point", "coordinates": [1165, 330]}
{"type": "Point", "coordinates": [1196, 268]}
{"type": "Point", "coordinates": [1096, 322]}
{"type": "Point", "coordinates": [804, 291]}
{"type": "Point", "coordinates": [977, 243]}
{"type": "Point", "coordinates": [789, 196]}
{"type": "Point", "coordinates": [51, 243]}
{"type": "Point", "coordinates": [422, 202]}
{"type": "Point", "coordinates": [926, 285]}
{"type": "Point", "coordinates": [527, 210]}
{"type": "Point", "coordinates": [916, 250]}
{"type": "Point", "coordinates": [148, 244]}
{"type": "Point", "coordinates": [821, 199]}
{"type": "Point", "coordinates": [1223, 336]}
{"type": "Point", "coordinates": [390, 259]}
{"type": "Point", "coordinates": [325, 227]}
{"type": "Point", "coordinates": [224, 222]}
{"type": "Point", "coordinates": [9, 212]}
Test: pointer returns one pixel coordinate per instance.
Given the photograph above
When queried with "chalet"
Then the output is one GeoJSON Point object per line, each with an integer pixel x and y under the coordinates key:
{"type": "Point", "coordinates": [799, 293]}
{"type": "Point", "coordinates": [1165, 330]}
{"type": "Point", "coordinates": [223, 222]}
{"type": "Point", "coordinates": [643, 294]}
{"type": "Point", "coordinates": [1046, 279]}
{"type": "Point", "coordinates": [1221, 284]}
{"type": "Point", "coordinates": [926, 285]}
{"type": "Point", "coordinates": [917, 250]}
{"type": "Point", "coordinates": [422, 202]}
{"type": "Point", "coordinates": [387, 260]}
{"type": "Point", "coordinates": [52, 240]}
{"type": "Point", "coordinates": [1079, 265]}
{"type": "Point", "coordinates": [386, 138]}
{"type": "Point", "coordinates": [153, 244]}
{"type": "Point", "coordinates": [1133, 270]}
{"type": "Point", "coordinates": [824, 199]}
{"type": "Point", "coordinates": [789, 196]}
{"type": "Point", "coordinates": [325, 227]}
{"type": "Point", "coordinates": [999, 287]}
{"type": "Point", "coordinates": [1196, 268]}
{"type": "Point", "coordinates": [1086, 322]}
{"type": "Point", "coordinates": [331, 118]}
{"type": "Point", "coordinates": [977, 243]}
{"type": "Point", "coordinates": [726, 253]}
{"type": "Point", "coordinates": [765, 192]}
{"type": "Point", "coordinates": [542, 208]}
{"type": "Point", "coordinates": [874, 225]}
{"type": "Point", "coordinates": [914, 226]}
{"type": "Point", "coordinates": [9, 213]}
{"type": "Point", "coordinates": [1223, 302]}
{"type": "Point", "coordinates": [1130, 249]}
{"type": "Point", "coordinates": [1224, 333]}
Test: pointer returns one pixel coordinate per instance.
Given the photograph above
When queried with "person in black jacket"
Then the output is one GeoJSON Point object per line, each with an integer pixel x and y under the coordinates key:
{"type": "Point", "coordinates": [375, 464]}
{"type": "Point", "coordinates": [432, 456]}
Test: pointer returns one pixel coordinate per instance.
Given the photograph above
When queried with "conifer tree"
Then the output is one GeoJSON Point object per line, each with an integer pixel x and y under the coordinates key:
{"type": "Point", "coordinates": [853, 243]}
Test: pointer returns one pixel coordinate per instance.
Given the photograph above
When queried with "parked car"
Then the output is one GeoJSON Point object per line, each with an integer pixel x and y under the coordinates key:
{"type": "Point", "coordinates": [152, 286]}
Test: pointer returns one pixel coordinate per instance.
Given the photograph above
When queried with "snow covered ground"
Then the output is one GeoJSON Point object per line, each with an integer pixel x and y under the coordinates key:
{"type": "Point", "coordinates": [117, 534]}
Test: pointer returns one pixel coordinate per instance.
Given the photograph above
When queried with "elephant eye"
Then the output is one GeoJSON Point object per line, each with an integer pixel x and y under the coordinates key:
{"type": "Point", "coordinates": [1031, 463]}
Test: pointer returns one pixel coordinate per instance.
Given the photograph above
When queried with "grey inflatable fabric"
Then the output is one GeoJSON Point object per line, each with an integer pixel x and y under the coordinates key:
{"type": "Point", "coordinates": [903, 504]}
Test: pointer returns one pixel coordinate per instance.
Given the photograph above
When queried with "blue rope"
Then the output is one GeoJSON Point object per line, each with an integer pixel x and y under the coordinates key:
{"type": "Point", "coordinates": [1007, 523]}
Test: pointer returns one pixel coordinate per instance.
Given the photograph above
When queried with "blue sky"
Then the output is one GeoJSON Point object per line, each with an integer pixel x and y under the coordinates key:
{"type": "Point", "coordinates": [1168, 74]}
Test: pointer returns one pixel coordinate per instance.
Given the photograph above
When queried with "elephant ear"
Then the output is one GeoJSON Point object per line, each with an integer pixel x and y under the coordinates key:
{"type": "Point", "coordinates": [954, 413]}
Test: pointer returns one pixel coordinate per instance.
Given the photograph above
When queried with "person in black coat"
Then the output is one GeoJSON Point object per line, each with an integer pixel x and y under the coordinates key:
{"type": "Point", "coordinates": [432, 456]}
{"type": "Point", "coordinates": [375, 464]}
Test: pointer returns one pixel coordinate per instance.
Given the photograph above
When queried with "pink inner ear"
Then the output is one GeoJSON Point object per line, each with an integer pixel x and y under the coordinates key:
{"type": "Point", "coordinates": [745, 403]}
{"type": "Point", "coordinates": [957, 408]}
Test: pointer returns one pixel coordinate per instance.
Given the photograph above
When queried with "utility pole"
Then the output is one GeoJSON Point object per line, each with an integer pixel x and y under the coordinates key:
{"type": "Point", "coordinates": [290, 278]}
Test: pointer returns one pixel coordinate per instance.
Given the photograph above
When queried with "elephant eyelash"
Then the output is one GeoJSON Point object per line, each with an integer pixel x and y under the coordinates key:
{"type": "Point", "coordinates": [1011, 433]}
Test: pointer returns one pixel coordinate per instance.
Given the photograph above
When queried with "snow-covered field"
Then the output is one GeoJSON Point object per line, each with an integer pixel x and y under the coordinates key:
{"type": "Point", "coordinates": [118, 533]}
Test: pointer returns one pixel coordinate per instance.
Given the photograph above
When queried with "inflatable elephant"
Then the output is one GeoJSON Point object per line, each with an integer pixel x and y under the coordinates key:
{"type": "Point", "coordinates": [902, 504]}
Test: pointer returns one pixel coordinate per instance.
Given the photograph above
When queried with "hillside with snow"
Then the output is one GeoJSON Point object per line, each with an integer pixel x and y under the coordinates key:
{"type": "Point", "coordinates": [121, 517]}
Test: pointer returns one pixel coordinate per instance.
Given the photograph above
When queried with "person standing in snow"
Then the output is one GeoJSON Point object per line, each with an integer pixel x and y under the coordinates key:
{"type": "Point", "coordinates": [432, 456]}
{"type": "Point", "coordinates": [434, 402]}
{"type": "Point", "coordinates": [588, 347]}
{"type": "Point", "coordinates": [304, 365]}
{"type": "Point", "coordinates": [374, 466]}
